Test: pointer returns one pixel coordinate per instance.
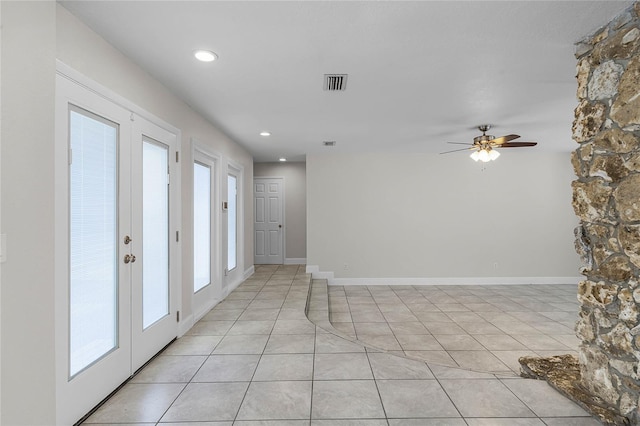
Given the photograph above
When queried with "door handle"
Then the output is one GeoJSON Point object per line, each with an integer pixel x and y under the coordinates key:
{"type": "Point", "coordinates": [133, 258]}
{"type": "Point", "coordinates": [129, 258]}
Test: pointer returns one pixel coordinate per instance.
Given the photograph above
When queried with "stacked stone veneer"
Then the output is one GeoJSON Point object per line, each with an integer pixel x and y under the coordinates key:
{"type": "Point", "coordinates": [606, 198]}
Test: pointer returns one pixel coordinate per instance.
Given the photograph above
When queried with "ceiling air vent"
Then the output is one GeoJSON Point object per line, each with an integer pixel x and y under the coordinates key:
{"type": "Point", "coordinates": [329, 143]}
{"type": "Point", "coordinates": [335, 82]}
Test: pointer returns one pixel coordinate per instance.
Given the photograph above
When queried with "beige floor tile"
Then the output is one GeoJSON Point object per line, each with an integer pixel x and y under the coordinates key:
{"type": "Point", "coordinates": [543, 400]}
{"type": "Point", "coordinates": [282, 367]}
{"type": "Point", "coordinates": [227, 368]}
{"type": "Point", "coordinates": [290, 344]}
{"type": "Point", "coordinates": [406, 398]}
{"type": "Point", "coordinates": [207, 402]}
{"type": "Point", "coordinates": [433, 357]}
{"type": "Point", "coordinates": [137, 403]}
{"type": "Point", "coordinates": [193, 345]}
{"type": "Point", "coordinates": [342, 366]}
{"type": "Point", "coordinates": [241, 344]}
{"type": "Point", "coordinates": [170, 369]}
{"type": "Point", "coordinates": [387, 366]}
{"type": "Point", "coordinates": [241, 366]}
{"type": "Point", "coordinates": [346, 399]}
{"type": "Point", "coordinates": [484, 398]}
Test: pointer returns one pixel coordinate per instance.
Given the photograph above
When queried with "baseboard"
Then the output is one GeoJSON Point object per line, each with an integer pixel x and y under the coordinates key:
{"type": "Point", "coordinates": [450, 280]}
{"type": "Point", "coordinates": [232, 286]}
{"type": "Point", "coordinates": [202, 312]}
{"type": "Point", "coordinates": [248, 272]}
{"type": "Point", "coordinates": [185, 325]}
{"type": "Point", "coordinates": [315, 271]}
{"type": "Point", "coordinates": [188, 322]}
{"type": "Point", "coordinates": [295, 261]}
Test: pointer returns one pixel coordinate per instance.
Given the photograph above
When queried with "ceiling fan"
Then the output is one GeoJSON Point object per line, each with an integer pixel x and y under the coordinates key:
{"type": "Point", "coordinates": [485, 146]}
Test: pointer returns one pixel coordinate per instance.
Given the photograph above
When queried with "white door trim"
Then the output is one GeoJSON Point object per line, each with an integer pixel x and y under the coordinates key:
{"type": "Point", "coordinates": [207, 297]}
{"type": "Point", "coordinates": [234, 278]}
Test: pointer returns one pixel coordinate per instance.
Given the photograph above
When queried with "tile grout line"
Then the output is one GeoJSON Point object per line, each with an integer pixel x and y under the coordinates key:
{"type": "Point", "coordinates": [258, 363]}
{"type": "Point", "coordinates": [375, 381]}
{"type": "Point", "coordinates": [199, 368]}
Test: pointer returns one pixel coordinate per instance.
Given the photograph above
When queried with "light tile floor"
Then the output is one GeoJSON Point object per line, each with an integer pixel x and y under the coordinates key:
{"type": "Point", "coordinates": [483, 328]}
{"type": "Point", "coordinates": [255, 359]}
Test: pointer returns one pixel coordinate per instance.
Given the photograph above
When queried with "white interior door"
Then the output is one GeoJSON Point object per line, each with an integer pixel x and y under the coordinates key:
{"type": "Point", "coordinates": [268, 221]}
{"type": "Point", "coordinates": [108, 186]}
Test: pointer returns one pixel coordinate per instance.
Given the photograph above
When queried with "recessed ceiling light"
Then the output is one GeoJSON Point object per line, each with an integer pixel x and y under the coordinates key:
{"type": "Point", "coordinates": [283, 159]}
{"type": "Point", "coordinates": [205, 55]}
{"type": "Point", "coordinates": [265, 134]}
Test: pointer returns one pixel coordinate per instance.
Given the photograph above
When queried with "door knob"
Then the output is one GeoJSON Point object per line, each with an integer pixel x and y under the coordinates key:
{"type": "Point", "coordinates": [279, 226]}
{"type": "Point", "coordinates": [127, 239]}
{"type": "Point", "coordinates": [127, 258]}
{"type": "Point", "coordinates": [133, 258]}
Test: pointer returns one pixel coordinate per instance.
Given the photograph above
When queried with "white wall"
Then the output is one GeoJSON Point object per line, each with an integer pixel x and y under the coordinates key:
{"type": "Point", "coordinates": [295, 177]}
{"type": "Point", "coordinates": [34, 34]}
{"type": "Point", "coordinates": [86, 52]}
{"type": "Point", "coordinates": [429, 215]}
{"type": "Point", "coordinates": [28, 76]}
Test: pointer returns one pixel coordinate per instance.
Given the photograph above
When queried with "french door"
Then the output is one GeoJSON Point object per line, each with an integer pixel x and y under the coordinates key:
{"type": "Point", "coordinates": [116, 295]}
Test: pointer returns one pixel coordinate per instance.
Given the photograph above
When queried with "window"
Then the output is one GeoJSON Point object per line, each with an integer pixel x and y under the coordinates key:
{"type": "Point", "coordinates": [232, 223]}
{"type": "Point", "coordinates": [93, 287]}
{"type": "Point", "coordinates": [201, 226]}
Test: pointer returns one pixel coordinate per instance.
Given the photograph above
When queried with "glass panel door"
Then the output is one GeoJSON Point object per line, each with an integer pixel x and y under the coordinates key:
{"type": "Point", "coordinates": [154, 246]}
{"type": "Point", "coordinates": [155, 232]}
{"type": "Point", "coordinates": [201, 226]}
{"type": "Point", "coordinates": [114, 202]}
{"type": "Point", "coordinates": [93, 287]}
{"type": "Point", "coordinates": [232, 222]}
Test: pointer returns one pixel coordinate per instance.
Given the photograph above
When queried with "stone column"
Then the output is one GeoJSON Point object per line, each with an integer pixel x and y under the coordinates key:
{"type": "Point", "coordinates": [606, 198]}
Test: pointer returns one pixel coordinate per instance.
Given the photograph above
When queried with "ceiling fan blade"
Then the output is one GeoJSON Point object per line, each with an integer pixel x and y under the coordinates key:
{"type": "Point", "coordinates": [503, 139]}
{"type": "Point", "coordinates": [517, 144]}
{"type": "Point", "coordinates": [460, 143]}
{"type": "Point", "coordinates": [456, 150]}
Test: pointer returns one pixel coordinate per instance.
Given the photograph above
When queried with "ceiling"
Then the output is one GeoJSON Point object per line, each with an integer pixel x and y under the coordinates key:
{"type": "Point", "coordinates": [420, 73]}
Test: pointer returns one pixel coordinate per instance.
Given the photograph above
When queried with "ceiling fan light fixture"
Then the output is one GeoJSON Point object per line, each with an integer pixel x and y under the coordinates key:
{"type": "Point", "coordinates": [484, 155]}
{"type": "Point", "coordinates": [484, 146]}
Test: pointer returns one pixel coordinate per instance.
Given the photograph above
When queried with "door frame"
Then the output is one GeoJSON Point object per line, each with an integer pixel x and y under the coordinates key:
{"type": "Point", "coordinates": [234, 277]}
{"type": "Point", "coordinates": [283, 207]}
{"type": "Point", "coordinates": [207, 297]}
{"type": "Point", "coordinates": [69, 409]}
